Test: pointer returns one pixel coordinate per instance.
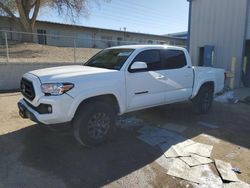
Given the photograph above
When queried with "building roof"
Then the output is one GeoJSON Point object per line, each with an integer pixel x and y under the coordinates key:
{"type": "Point", "coordinates": [179, 35]}
{"type": "Point", "coordinates": [96, 28]}
{"type": "Point", "coordinates": [103, 29]}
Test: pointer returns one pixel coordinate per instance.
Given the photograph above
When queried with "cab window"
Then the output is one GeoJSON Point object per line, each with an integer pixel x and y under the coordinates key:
{"type": "Point", "coordinates": [151, 57]}
{"type": "Point", "coordinates": [173, 59]}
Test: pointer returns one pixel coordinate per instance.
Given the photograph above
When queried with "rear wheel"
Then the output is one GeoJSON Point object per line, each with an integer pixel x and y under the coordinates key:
{"type": "Point", "coordinates": [94, 123]}
{"type": "Point", "coordinates": [202, 103]}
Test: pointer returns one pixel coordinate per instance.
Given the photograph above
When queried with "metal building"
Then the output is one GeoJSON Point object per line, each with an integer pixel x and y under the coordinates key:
{"type": "Point", "coordinates": [219, 36]}
{"type": "Point", "coordinates": [58, 34]}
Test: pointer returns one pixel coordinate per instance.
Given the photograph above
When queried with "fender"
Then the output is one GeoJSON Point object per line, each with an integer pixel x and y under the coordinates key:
{"type": "Point", "coordinates": [198, 85]}
{"type": "Point", "coordinates": [95, 93]}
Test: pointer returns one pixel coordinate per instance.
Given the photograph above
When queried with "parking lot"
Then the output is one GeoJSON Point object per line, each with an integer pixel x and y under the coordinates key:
{"type": "Point", "coordinates": [34, 156]}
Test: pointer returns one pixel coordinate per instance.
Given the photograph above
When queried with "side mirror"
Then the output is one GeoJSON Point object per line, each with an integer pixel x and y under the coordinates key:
{"type": "Point", "coordinates": [138, 65]}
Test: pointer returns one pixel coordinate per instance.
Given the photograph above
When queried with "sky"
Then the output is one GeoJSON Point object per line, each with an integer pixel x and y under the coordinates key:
{"type": "Point", "coordinates": [144, 16]}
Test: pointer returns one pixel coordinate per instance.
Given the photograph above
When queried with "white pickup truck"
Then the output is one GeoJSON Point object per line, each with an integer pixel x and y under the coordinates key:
{"type": "Point", "coordinates": [115, 81]}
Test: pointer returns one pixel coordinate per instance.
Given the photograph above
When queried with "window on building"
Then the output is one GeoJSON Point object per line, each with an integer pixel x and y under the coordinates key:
{"type": "Point", "coordinates": [41, 36]}
{"type": "Point", "coordinates": [150, 42]}
{"type": "Point", "coordinates": [106, 38]}
{"type": "Point", "coordinates": [173, 59]}
{"type": "Point", "coordinates": [119, 40]}
{"type": "Point", "coordinates": [151, 57]}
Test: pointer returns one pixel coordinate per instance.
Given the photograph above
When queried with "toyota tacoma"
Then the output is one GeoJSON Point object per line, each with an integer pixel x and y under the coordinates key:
{"type": "Point", "coordinates": [115, 81]}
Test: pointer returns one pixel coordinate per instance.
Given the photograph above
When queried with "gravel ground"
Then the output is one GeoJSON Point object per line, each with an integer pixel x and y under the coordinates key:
{"type": "Point", "coordinates": [33, 156]}
{"type": "Point", "coordinates": [29, 52]}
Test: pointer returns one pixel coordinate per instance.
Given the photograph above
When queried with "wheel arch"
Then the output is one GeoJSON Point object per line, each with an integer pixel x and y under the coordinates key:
{"type": "Point", "coordinates": [107, 98]}
{"type": "Point", "coordinates": [210, 84]}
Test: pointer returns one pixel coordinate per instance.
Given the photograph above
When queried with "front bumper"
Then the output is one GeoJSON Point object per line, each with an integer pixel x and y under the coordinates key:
{"type": "Point", "coordinates": [25, 113]}
{"type": "Point", "coordinates": [61, 106]}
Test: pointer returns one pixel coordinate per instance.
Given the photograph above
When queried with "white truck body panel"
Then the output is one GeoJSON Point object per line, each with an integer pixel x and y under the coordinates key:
{"type": "Point", "coordinates": [133, 91]}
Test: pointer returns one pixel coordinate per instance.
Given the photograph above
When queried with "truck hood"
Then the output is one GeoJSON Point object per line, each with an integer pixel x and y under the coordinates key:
{"type": "Point", "coordinates": [66, 73]}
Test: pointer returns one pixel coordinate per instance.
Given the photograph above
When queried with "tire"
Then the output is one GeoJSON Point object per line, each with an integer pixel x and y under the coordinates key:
{"type": "Point", "coordinates": [203, 101]}
{"type": "Point", "coordinates": [94, 123]}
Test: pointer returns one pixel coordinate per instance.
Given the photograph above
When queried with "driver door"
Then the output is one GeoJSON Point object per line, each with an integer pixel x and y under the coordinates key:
{"type": "Point", "coordinates": [146, 88]}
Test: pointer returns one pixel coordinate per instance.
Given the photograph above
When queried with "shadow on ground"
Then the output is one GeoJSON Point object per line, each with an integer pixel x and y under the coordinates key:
{"type": "Point", "coordinates": [60, 155]}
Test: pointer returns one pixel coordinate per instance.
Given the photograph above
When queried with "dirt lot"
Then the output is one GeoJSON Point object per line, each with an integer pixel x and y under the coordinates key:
{"type": "Point", "coordinates": [33, 156]}
{"type": "Point", "coordinates": [26, 52]}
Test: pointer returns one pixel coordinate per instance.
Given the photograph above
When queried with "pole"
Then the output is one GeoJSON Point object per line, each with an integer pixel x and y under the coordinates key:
{"type": "Point", "coordinates": [7, 47]}
{"type": "Point", "coordinates": [233, 69]}
{"type": "Point", "coordinates": [245, 65]}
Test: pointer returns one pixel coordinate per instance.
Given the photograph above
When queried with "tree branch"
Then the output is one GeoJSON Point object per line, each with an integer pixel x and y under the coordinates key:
{"type": "Point", "coordinates": [33, 4]}
{"type": "Point", "coordinates": [35, 13]}
{"type": "Point", "coordinates": [7, 10]}
{"type": "Point", "coordinates": [23, 19]}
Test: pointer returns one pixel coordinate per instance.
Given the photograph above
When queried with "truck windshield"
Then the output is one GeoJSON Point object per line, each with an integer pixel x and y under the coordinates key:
{"type": "Point", "coordinates": [110, 58]}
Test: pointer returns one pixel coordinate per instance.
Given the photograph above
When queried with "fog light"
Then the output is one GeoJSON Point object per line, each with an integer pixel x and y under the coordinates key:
{"type": "Point", "coordinates": [49, 109]}
{"type": "Point", "coordinates": [44, 109]}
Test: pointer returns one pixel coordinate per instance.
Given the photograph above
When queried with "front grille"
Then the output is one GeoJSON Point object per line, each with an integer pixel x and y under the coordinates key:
{"type": "Point", "coordinates": [27, 89]}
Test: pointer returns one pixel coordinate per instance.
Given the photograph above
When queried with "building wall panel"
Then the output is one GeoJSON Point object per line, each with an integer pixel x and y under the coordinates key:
{"type": "Point", "coordinates": [220, 23]}
{"type": "Point", "coordinates": [248, 23]}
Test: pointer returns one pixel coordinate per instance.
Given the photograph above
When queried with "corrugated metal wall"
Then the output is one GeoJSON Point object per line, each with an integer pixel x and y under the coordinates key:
{"type": "Point", "coordinates": [248, 22]}
{"type": "Point", "coordinates": [220, 23]}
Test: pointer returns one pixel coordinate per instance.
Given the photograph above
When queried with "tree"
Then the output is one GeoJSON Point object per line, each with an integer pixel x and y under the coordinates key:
{"type": "Point", "coordinates": [28, 11]}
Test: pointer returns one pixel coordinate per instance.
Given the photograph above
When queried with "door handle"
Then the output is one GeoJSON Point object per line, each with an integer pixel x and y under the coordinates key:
{"type": "Point", "coordinates": [160, 77]}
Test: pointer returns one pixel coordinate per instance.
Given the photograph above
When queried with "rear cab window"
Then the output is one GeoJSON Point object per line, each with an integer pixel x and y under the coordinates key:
{"type": "Point", "coordinates": [173, 59]}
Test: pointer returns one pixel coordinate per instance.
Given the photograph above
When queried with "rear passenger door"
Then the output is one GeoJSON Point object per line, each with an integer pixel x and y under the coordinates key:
{"type": "Point", "coordinates": [178, 75]}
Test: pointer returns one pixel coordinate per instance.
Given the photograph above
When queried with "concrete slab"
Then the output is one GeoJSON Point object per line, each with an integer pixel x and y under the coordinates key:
{"type": "Point", "coordinates": [179, 150]}
{"type": "Point", "coordinates": [164, 162]}
{"type": "Point", "coordinates": [158, 136]}
{"type": "Point", "coordinates": [152, 140]}
{"type": "Point", "coordinates": [225, 170]}
{"type": "Point", "coordinates": [202, 174]}
{"type": "Point", "coordinates": [129, 122]}
{"type": "Point", "coordinates": [147, 130]}
{"type": "Point", "coordinates": [195, 160]}
{"type": "Point", "coordinates": [236, 185]}
{"type": "Point", "coordinates": [174, 127]}
{"type": "Point", "coordinates": [200, 149]}
{"type": "Point", "coordinates": [208, 179]}
{"type": "Point", "coordinates": [181, 170]}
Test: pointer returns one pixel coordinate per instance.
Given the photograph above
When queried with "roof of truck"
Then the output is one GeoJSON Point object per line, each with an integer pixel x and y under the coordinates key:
{"type": "Point", "coordinates": [147, 46]}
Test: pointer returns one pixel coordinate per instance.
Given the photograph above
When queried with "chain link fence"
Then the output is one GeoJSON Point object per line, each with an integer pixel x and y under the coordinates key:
{"type": "Point", "coordinates": [57, 48]}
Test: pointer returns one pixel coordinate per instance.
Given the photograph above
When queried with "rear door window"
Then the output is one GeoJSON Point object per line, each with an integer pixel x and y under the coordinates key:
{"type": "Point", "coordinates": [173, 59]}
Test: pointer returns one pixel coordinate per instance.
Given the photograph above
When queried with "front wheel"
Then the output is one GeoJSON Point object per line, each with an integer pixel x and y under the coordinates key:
{"type": "Point", "coordinates": [203, 101]}
{"type": "Point", "coordinates": [94, 123]}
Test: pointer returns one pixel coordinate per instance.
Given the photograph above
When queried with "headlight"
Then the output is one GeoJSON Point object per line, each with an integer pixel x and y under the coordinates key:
{"type": "Point", "coordinates": [56, 88]}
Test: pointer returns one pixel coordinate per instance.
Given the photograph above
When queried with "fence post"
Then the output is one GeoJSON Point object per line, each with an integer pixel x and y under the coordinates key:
{"type": "Point", "coordinates": [7, 47]}
{"type": "Point", "coordinates": [74, 50]}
